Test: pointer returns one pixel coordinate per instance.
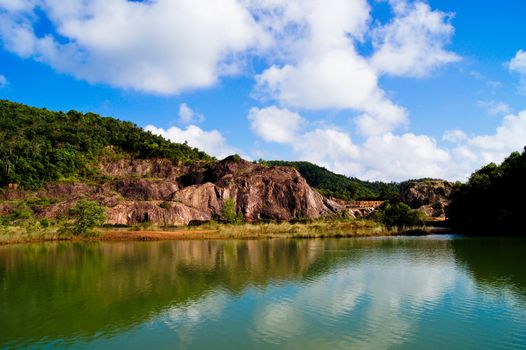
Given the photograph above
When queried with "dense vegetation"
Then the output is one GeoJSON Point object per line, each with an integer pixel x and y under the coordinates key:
{"type": "Point", "coordinates": [398, 214]}
{"type": "Point", "coordinates": [493, 199]}
{"type": "Point", "coordinates": [339, 186]}
{"type": "Point", "coordinates": [37, 145]}
{"type": "Point", "coordinates": [87, 214]}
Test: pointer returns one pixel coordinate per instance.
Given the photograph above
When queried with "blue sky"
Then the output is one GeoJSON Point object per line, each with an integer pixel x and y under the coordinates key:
{"type": "Point", "coordinates": [386, 90]}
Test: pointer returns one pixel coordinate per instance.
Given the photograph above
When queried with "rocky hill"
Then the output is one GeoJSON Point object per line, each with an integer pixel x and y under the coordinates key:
{"type": "Point", "coordinates": [162, 192]}
{"type": "Point", "coordinates": [49, 160]}
{"type": "Point", "coordinates": [428, 196]}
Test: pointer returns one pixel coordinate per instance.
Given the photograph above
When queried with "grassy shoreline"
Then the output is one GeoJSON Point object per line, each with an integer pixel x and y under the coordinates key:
{"type": "Point", "coordinates": [324, 229]}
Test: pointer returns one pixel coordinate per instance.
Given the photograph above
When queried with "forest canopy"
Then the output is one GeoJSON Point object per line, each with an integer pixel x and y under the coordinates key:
{"type": "Point", "coordinates": [493, 199]}
{"type": "Point", "coordinates": [339, 186]}
{"type": "Point", "coordinates": [37, 145]}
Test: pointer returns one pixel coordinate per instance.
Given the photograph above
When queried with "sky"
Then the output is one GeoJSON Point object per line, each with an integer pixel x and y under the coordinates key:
{"type": "Point", "coordinates": [380, 89]}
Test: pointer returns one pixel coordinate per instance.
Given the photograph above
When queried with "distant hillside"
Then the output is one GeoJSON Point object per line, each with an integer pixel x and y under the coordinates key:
{"type": "Point", "coordinates": [37, 145]}
{"type": "Point", "coordinates": [340, 186]}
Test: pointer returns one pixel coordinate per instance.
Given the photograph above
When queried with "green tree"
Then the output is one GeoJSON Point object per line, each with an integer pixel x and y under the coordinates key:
{"type": "Point", "coordinates": [492, 201]}
{"type": "Point", "coordinates": [228, 211]}
{"type": "Point", "coordinates": [336, 185]}
{"type": "Point", "coordinates": [38, 146]}
{"type": "Point", "coordinates": [399, 214]}
{"type": "Point", "coordinates": [88, 214]}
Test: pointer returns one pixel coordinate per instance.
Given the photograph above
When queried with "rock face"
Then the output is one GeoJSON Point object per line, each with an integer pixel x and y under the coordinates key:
{"type": "Point", "coordinates": [163, 193]}
{"type": "Point", "coordinates": [199, 193]}
{"type": "Point", "coordinates": [430, 197]}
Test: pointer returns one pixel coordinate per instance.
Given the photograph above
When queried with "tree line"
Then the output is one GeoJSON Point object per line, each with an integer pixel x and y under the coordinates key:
{"type": "Point", "coordinates": [493, 200]}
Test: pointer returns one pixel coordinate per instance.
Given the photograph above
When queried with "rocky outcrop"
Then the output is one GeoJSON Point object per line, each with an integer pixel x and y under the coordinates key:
{"type": "Point", "coordinates": [278, 193]}
{"type": "Point", "coordinates": [430, 197]}
{"type": "Point", "coordinates": [199, 193]}
{"type": "Point", "coordinates": [164, 193]}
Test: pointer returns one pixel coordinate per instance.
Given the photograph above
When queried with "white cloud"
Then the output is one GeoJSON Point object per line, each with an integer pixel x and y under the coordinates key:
{"type": "Point", "coordinates": [395, 157]}
{"type": "Point", "coordinates": [413, 43]}
{"type": "Point", "coordinates": [3, 81]}
{"type": "Point", "coordinates": [309, 47]}
{"type": "Point", "coordinates": [331, 148]}
{"type": "Point", "coordinates": [159, 47]}
{"type": "Point", "coordinates": [339, 79]}
{"type": "Point", "coordinates": [518, 65]}
{"type": "Point", "coordinates": [495, 108]}
{"type": "Point", "coordinates": [454, 136]}
{"type": "Point", "coordinates": [16, 5]}
{"type": "Point", "coordinates": [211, 142]}
{"type": "Point", "coordinates": [275, 124]}
{"type": "Point", "coordinates": [188, 116]}
{"type": "Point", "coordinates": [510, 136]}
{"type": "Point", "coordinates": [326, 72]}
{"type": "Point", "coordinates": [166, 47]}
{"type": "Point", "coordinates": [401, 157]}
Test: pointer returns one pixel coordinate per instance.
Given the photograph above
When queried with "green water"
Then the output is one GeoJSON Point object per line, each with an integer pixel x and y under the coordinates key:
{"type": "Point", "coordinates": [374, 293]}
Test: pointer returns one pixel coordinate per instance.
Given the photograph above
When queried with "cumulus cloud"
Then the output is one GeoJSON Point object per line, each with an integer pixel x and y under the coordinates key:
{"type": "Point", "coordinates": [311, 63]}
{"type": "Point", "coordinates": [331, 148]}
{"type": "Point", "coordinates": [413, 43]}
{"type": "Point", "coordinates": [188, 116]}
{"type": "Point", "coordinates": [159, 46]}
{"type": "Point", "coordinates": [399, 157]}
{"type": "Point", "coordinates": [325, 71]}
{"type": "Point", "coordinates": [518, 65]}
{"type": "Point", "coordinates": [167, 47]}
{"type": "Point", "coordinates": [404, 156]}
{"type": "Point", "coordinates": [275, 124]}
{"type": "Point", "coordinates": [509, 136]}
{"type": "Point", "coordinates": [211, 142]}
{"type": "Point", "coordinates": [3, 81]}
{"type": "Point", "coordinates": [337, 79]}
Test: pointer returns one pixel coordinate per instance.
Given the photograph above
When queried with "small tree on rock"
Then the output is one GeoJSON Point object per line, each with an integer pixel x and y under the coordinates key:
{"type": "Point", "coordinates": [88, 214]}
{"type": "Point", "coordinates": [228, 211]}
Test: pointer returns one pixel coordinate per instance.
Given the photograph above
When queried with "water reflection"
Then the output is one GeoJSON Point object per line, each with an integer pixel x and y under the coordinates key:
{"type": "Point", "coordinates": [494, 262]}
{"type": "Point", "coordinates": [333, 293]}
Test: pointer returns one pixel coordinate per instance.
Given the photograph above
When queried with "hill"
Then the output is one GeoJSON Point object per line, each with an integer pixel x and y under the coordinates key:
{"type": "Point", "coordinates": [38, 145]}
{"type": "Point", "coordinates": [492, 201]}
{"type": "Point", "coordinates": [339, 186]}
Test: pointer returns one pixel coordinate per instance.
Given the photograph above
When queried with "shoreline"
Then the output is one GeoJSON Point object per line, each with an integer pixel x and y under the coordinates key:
{"type": "Point", "coordinates": [228, 232]}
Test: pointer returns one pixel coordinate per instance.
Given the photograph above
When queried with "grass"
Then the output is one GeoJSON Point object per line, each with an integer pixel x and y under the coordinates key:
{"type": "Point", "coordinates": [23, 234]}
{"type": "Point", "coordinates": [34, 232]}
{"type": "Point", "coordinates": [212, 230]}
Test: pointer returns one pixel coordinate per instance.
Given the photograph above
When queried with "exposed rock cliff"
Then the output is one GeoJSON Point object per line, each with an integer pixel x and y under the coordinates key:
{"type": "Point", "coordinates": [198, 193]}
{"type": "Point", "coordinates": [430, 197]}
{"type": "Point", "coordinates": [164, 193]}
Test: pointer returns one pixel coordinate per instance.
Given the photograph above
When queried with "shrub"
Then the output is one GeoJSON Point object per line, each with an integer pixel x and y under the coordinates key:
{"type": "Point", "coordinates": [399, 214]}
{"type": "Point", "coordinates": [88, 214]}
{"type": "Point", "coordinates": [228, 211]}
{"type": "Point", "coordinates": [44, 223]}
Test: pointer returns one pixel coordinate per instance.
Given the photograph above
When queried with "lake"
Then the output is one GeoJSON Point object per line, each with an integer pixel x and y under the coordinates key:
{"type": "Point", "coordinates": [364, 293]}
